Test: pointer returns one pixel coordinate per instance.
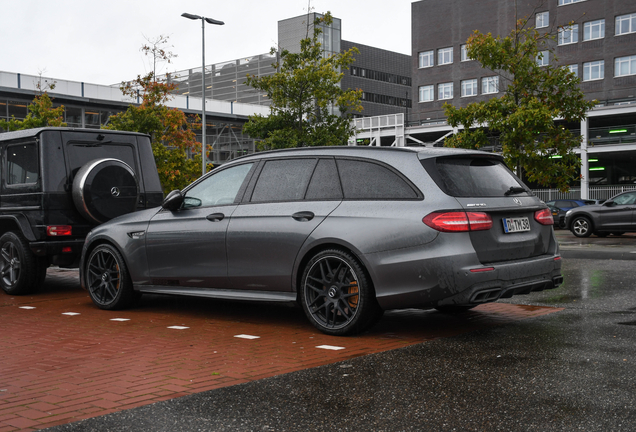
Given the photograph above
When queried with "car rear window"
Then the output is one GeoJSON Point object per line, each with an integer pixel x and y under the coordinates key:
{"type": "Point", "coordinates": [363, 180]}
{"type": "Point", "coordinates": [473, 177]}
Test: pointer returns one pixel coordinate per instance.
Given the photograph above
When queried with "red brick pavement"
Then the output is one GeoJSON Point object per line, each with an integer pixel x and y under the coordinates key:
{"type": "Point", "coordinates": [57, 368]}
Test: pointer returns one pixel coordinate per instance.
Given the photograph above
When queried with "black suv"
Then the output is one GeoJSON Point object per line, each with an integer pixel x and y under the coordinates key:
{"type": "Point", "coordinates": [59, 183]}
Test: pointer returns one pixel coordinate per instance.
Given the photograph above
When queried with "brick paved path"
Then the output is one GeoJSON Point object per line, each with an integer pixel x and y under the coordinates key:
{"type": "Point", "coordinates": [62, 359]}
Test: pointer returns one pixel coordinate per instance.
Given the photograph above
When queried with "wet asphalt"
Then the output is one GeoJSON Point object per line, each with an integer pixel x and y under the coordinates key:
{"type": "Point", "coordinates": [566, 371]}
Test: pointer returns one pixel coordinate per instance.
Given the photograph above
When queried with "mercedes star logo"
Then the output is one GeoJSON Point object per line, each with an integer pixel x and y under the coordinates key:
{"type": "Point", "coordinates": [115, 191]}
{"type": "Point", "coordinates": [517, 200]}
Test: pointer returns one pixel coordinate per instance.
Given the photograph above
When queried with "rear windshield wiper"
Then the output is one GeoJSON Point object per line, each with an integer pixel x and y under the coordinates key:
{"type": "Point", "coordinates": [514, 190]}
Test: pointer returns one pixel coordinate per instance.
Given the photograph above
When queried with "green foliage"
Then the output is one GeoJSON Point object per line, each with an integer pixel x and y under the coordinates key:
{"type": "Point", "coordinates": [170, 129]}
{"type": "Point", "coordinates": [40, 113]}
{"type": "Point", "coordinates": [303, 93]}
{"type": "Point", "coordinates": [533, 96]}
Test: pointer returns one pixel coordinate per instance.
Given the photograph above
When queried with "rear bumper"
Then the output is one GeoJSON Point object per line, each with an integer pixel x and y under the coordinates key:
{"type": "Point", "coordinates": [64, 253]}
{"type": "Point", "coordinates": [407, 279]}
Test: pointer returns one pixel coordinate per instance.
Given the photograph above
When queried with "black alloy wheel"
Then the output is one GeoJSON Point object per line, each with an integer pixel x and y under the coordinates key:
{"type": "Point", "coordinates": [21, 271]}
{"type": "Point", "coordinates": [337, 295]}
{"type": "Point", "coordinates": [107, 279]}
{"type": "Point", "coordinates": [581, 227]}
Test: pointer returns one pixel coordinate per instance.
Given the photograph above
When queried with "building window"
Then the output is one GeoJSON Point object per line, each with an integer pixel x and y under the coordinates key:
{"type": "Point", "coordinates": [624, 66]}
{"type": "Point", "coordinates": [542, 19]}
{"type": "Point", "coordinates": [566, 2]}
{"type": "Point", "coordinates": [625, 24]}
{"type": "Point", "coordinates": [490, 85]}
{"type": "Point", "coordinates": [594, 70]}
{"type": "Point", "coordinates": [444, 56]}
{"type": "Point", "coordinates": [594, 30]}
{"type": "Point", "coordinates": [543, 58]}
{"type": "Point", "coordinates": [445, 91]}
{"type": "Point", "coordinates": [469, 88]}
{"type": "Point", "coordinates": [574, 69]}
{"type": "Point", "coordinates": [568, 34]}
{"type": "Point", "coordinates": [426, 59]}
{"type": "Point", "coordinates": [427, 93]}
{"type": "Point", "coordinates": [464, 52]}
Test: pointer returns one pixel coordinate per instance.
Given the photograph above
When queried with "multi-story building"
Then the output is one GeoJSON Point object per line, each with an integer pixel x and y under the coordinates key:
{"type": "Point", "coordinates": [594, 38]}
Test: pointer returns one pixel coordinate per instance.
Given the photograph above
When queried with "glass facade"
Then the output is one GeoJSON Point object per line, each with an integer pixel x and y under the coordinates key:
{"type": "Point", "coordinates": [226, 81]}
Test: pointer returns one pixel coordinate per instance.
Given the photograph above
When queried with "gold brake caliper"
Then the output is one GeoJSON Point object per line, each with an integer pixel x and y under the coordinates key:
{"type": "Point", "coordinates": [353, 300]}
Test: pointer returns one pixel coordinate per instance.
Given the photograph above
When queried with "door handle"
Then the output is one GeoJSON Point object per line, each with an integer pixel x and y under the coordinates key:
{"type": "Point", "coordinates": [215, 217]}
{"type": "Point", "coordinates": [303, 216]}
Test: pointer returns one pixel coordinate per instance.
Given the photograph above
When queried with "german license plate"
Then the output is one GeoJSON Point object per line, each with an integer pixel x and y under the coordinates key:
{"type": "Point", "coordinates": [513, 225]}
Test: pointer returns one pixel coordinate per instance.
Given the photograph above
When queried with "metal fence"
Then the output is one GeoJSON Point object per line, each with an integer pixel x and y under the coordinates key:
{"type": "Point", "coordinates": [595, 192]}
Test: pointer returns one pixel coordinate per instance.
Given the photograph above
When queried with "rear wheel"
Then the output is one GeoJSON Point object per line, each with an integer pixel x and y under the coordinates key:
{"type": "Point", "coordinates": [337, 295]}
{"type": "Point", "coordinates": [581, 227]}
{"type": "Point", "coordinates": [108, 280]}
{"type": "Point", "coordinates": [21, 271]}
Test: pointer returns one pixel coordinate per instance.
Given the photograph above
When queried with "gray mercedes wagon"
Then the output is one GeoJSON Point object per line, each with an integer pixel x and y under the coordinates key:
{"type": "Point", "coordinates": [347, 232]}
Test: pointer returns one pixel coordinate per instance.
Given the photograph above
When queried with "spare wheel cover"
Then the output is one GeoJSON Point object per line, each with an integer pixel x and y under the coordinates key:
{"type": "Point", "coordinates": [104, 189]}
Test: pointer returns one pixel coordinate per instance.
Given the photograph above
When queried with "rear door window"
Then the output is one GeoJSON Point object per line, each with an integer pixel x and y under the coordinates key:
{"type": "Point", "coordinates": [473, 177]}
{"type": "Point", "coordinates": [22, 164]}
{"type": "Point", "coordinates": [283, 180]}
{"type": "Point", "coordinates": [325, 184]}
{"type": "Point", "coordinates": [363, 180]}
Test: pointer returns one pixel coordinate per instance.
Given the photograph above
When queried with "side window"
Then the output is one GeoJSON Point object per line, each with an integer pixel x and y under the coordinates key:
{"type": "Point", "coordinates": [218, 189]}
{"type": "Point", "coordinates": [626, 199]}
{"type": "Point", "coordinates": [325, 184]}
{"type": "Point", "coordinates": [283, 180]}
{"type": "Point", "coordinates": [370, 181]}
{"type": "Point", "coordinates": [22, 164]}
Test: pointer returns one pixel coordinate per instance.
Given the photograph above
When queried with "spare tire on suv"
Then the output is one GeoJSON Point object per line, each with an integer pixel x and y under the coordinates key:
{"type": "Point", "coordinates": [58, 184]}
{"type": "Point", "coordinates": [104, 189]}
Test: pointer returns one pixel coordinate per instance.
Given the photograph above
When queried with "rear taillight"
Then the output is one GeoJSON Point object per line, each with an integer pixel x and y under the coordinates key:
{"type": "Point", "coordinates": [58, 230]}
{"type": "Point", "coordinates": [544, 217]}
{"type": "Point", "coordinates": [458, 221]}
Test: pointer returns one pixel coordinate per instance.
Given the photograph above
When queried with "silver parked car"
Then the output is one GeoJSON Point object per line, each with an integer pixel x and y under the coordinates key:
{"type": "Point", "coordinates": [614, 216]}
{"type": "Point", "coordinates": [347, 232]}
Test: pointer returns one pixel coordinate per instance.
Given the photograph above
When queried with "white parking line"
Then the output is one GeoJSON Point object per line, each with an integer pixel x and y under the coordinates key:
{"type": "Point", "coordinates": [330, 347]}
{"type": "Point", "coordinates": [27, 307]}
{"type": "Point", "coordinates": [244, 336]}
{"type": "Point", "coordinates": [178, 327]}
{"type": "Point", "coordinates": [120, 319]}
{"type": "Point", "coordinates": [71, 313]}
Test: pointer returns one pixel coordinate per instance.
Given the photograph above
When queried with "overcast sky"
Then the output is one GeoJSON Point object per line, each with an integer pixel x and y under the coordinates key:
{"type": "Point", "coordinates": [99, 41]}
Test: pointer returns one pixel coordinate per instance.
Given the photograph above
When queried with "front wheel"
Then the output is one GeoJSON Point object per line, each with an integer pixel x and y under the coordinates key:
{"type": "Point", "coordinates": [107, 279]}
{"type": "Point", "coordinates": [581, 227]}
{"type": "Point", "coordinates": [337, 295]}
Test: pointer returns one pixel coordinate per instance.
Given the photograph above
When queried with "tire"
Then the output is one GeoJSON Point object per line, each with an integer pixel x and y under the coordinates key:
{"type": "Point", "coordinates": [104, 189]}
{"type": "Point", "coordinates": [337, 295]}
{"type": "Point", "coordinates": [107, 279]}
{"type": "Point", "coordinates": [453, 309]}
{"type": "Point", "coordinates": [21, 271]}
{"type": "Point", "coordinates": [581, 227]}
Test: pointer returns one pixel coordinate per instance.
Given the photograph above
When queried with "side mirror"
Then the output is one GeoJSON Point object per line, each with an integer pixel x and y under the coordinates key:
{"type": "Point", "coordinates": [608, 203]}
{"type": "Point", "coordinates": [173, 201]}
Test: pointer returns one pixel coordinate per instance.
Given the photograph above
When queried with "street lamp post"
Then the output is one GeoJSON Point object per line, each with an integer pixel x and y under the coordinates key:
{"type": "Point", "coordinates": [203, 124]}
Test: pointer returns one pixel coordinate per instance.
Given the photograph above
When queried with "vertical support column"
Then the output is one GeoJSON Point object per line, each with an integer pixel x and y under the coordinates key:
{"type": "Point", "coordinates": [585, 173]}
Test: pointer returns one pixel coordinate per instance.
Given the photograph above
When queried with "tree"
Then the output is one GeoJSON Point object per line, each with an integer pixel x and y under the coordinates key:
{"type": "Point", "coordinates": [524, 117]}
{"type": "Point", "coordinates": [173, 137]}
{"type": "Point", "coordinates": [170, 129]}
{"type": "Point", "coordinates": [40, 112]}
{"type": "Point", "coordinates": [303, 94]}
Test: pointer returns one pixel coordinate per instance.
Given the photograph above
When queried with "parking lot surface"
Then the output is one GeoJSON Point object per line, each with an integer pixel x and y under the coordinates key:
{"type": "Point", "coordinates": [64, 360]}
